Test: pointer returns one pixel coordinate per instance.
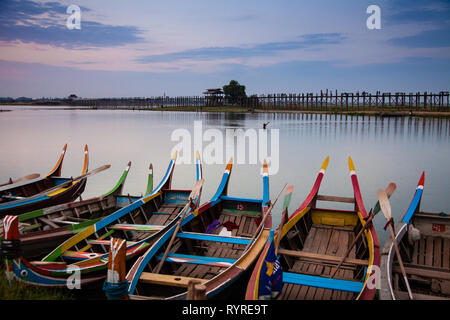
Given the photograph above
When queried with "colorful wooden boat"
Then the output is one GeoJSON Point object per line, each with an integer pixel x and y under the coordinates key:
{"type": "Point", "coordinates": [424, 243]}
{"type": "Point", "coordinates": [312, 243]}
{"type": "Point", "coordinates": [39, 193]}
{"type": "Point", "coordinates": [25, 178]}
{"type": "Point", "coordinates": [33, 183]}
{"type": "Point", "coordinates": [86, 253]}
{"type": "Point", "coordinates": [42, 230]}
{"type": "Point", "coordinates": [209, 249]}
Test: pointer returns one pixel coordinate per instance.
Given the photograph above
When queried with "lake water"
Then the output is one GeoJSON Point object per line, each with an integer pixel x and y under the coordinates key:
{"type": "Point", "coordinates": [384, 150]}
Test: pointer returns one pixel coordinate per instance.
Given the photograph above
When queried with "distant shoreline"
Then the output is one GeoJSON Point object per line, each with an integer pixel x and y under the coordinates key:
{"type": "Point", "coordinates": [385, 112]}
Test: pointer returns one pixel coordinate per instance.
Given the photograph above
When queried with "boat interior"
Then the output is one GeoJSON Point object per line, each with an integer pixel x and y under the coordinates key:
{"type": "Point", "coordinates": [426, 259]}
{"type": "Point", "coordinates": [29, 188]}
{"type": "Point", "coordinates": [312, 248]}
{"type": "Point", "coordinates": [203, 248]}
{"type": "Point", "coordinates": [136, 225]}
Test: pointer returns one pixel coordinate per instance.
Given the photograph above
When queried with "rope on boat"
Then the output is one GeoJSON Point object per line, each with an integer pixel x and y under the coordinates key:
{"type": "Point", "coordinates": [115, 291]}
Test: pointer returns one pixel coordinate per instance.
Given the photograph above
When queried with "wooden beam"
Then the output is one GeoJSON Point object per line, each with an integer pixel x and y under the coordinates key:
{"type": "Point", "coordinates": [404, 296]}
{"type": "Point", "coordinates": [47, 221]}
{"type": "Point", "coordinates": [426, 273]}
{"type": "Point", "coordinates": [322, 257]}
{"type": "Point", "coordinates": [167, 280]}
{"type": "Point", "coordinates": [335, 199]}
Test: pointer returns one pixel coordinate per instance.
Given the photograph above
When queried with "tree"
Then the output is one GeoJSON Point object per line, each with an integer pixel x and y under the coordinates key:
{"type": "Point", "coordinates": [234, 92]}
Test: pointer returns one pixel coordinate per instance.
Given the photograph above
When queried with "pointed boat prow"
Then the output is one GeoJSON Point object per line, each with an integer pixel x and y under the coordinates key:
{"type": "Point", "coordinates": [351, 166]}
{"type": "Point", "coordinates": [325, 164]}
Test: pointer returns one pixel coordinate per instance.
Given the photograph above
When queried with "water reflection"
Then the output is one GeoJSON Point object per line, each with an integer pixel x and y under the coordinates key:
{"type": "Point", "coordinates": [389, 149]}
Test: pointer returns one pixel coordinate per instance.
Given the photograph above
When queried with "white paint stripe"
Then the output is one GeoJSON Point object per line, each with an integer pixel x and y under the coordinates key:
{"type": "Point", "coordinates": [7, 225]}
{"type": "Point", "coordinates": [353, 172]}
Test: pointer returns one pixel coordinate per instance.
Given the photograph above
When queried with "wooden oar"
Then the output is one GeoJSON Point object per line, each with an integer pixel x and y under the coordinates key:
{"type": "Point", "coordinates": [386, 208]}
{"type": "Point", "coordinates": [195, 191]}
{"type": "Point", "coordinates": [68, 183]}
{"type": "Point", "coordinates": [28, 177]}
{"type": "Point", "coordinates": [261, 224]}
{"type": "Point", "coordinates": [284, 218]}
{"type": "Point", "coordinates": [389, 190]}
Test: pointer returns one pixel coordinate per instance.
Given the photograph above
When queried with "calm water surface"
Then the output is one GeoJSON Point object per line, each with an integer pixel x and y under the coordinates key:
{"type": "Point", "coordinates": [384, 150]}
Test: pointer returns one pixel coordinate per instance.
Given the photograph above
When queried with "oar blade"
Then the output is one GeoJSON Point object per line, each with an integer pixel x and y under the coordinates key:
{"type": "Point", "coordinates": [287, 197]}
{"type": "Point", "coordinates": [95, 171]}
{"type": "Point", "coordinates": [384, 204]}
{"type": "Point", "coordinates": [67, 183]}
{"type": "Point", "coordinates": [389, 191]}
{"type": "Point", "coordinates": [196, 189]}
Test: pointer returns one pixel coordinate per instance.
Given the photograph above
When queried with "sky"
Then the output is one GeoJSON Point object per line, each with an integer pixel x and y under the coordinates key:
{"type": "Point", "coordinates": [144, 48]}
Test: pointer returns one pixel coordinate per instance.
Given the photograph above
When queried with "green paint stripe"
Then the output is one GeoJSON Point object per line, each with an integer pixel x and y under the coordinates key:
{"type": "Point", "coordinates": [149, 184]}
{"type": "Point", "coordinates": [30, 215]}
{"type": "Point", "coordinates": [119, 183]}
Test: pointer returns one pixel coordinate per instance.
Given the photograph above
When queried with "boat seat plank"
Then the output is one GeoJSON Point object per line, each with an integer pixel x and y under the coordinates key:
{"type": "Point", "coordinates": [335, 199]}
{"type": "Point", "coordinates": [212, 237]}
{"type": "Point", "coordinates": [79, 255]}
{"type": "Point", "coordinates": [321, 282]}
{"type": "Point", "coordinates": [137, 227]}
{"type": "Point", "coordinates": [107, 242]}
{"type": "Point", "coordinates": [424, 272]}
{"type": "Point", "coordinates": [210, 261]}
{"type": "Point", "coordinates": [167, 280]}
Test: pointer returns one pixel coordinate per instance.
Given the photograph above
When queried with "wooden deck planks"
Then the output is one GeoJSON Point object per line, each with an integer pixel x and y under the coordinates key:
{"type": "Point", "coordinates": [429, 251]}
{"type": "Point", "coordinates": [437, 254]}
{"type": "Point", "coordinates": [312, 243]}
{"type": "Point", "coordinates": [446, 254]}
{"type": "Point", "coordinates": [327, 241]}
{"type": "Point", "coordinates": [421, 250]}
{"type": "Point", "coordinates": [331, 250]}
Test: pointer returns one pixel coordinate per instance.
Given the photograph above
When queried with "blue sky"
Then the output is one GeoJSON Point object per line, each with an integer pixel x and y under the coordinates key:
{"type": "Point", "coordinates": [147, 48]}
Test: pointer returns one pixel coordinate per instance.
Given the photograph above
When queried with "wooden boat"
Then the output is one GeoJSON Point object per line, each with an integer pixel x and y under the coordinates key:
{"type": "Point", "coordinates": [43, 192]}
{"type": "Point", "coordinates": [424, 243]}
{"type": "Point", "coordinates": [216, 258]}
{"type": "Point", "coordinates": [25, 178]}
{"type": "Point", "coordinates": [86, 253]}
{"type": "Point", "coordinates": [313, 240]}
{"type": "Point", "coordinates": [42, 230]}
{"type": "Point", "coordinates": [32, 184]}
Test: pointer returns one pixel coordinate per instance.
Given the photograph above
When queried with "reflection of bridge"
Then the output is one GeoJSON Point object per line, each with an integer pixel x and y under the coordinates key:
{"type": "Point", "coordinates": [323, 101]}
